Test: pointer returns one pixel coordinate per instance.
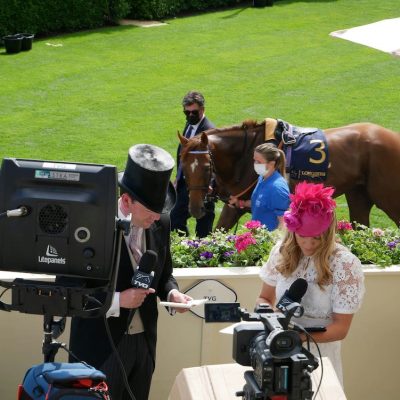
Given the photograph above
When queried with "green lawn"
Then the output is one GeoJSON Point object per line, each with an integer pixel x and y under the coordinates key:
{"type": "Point", "coordinates": [89, 96]}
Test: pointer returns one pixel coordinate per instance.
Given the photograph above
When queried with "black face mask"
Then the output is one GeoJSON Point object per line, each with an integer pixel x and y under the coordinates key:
{"type": "Point", "coordinates": [192, 117]}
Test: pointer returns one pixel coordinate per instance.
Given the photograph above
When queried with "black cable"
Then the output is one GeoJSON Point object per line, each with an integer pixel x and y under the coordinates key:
{"type": "Point", "coordinates": [5, 290]}
{"type": "Point", "coordinates": [308, 336]}
{"type": "Point", "coordinates": [120, 363]}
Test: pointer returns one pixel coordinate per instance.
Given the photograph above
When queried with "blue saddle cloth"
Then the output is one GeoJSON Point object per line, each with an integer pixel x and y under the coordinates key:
{"type": "Point", "coordinates": [306, 151]}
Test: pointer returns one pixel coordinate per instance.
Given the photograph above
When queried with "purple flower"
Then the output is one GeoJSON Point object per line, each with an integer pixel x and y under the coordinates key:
{"type": "Point", "coordinates": [192, 243]}
{"type": "Point", "coordinates": [392, 245]}
{"type": "Point", "coordinates": [227, 254]}
{"type": "Point", "coordinates": [206, 255]}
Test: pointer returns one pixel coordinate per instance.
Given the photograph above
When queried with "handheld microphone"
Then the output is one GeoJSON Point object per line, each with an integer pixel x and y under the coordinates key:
{"type": "Point", "coordinates": [289, 302]}
{"type": "Point", "coordinates": [144, 274]}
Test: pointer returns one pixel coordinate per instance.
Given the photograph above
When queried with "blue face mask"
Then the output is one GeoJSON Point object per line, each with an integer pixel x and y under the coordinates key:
{"type": "Point", "coordinates": [261, 169]}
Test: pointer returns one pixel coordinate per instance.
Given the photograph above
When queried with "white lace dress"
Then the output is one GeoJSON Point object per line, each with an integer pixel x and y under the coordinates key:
{"type": "Point", "coordinates": [343, 296]}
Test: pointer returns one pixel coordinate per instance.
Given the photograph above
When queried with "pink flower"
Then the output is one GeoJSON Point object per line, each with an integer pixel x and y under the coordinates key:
{"type": "Point", "coordinates": [344, 226]}
{"type": "Point", "coordinates": [292, 221]}
{"type": "Point", "coordinates": [243, 241]}
{"type": "Point", "coordinates": [378, 232]}
{"type": "Point", "coordinates": [253, 224]}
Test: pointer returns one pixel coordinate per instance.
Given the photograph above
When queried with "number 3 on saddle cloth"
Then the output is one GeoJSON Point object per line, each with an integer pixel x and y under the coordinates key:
{"type": "Point", "coordinates": [306, 151]}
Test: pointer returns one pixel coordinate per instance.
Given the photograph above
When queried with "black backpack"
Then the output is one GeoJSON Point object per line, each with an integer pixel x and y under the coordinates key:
{"type": "Point", "coordinates": [63, 381]}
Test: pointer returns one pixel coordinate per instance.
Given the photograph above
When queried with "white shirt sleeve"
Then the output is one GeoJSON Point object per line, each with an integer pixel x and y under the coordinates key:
{"type": "Point", "coordinates": [114, 309]}
{"type": "Point", "coordinates": [348, 283]}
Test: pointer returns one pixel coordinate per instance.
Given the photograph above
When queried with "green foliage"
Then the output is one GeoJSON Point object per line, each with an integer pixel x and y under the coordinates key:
{"type": "Point", "coordinates": [155, 9]}
{"type": "Point", "coordinates": [376, 246]}
{"type": "Point", "coordinates": [373, 245]}
{"type": "Point", "coordinates": [249, 246]}
{"type": "Point", "coordinates": [42, 16]}
{"type": "Point", "coordinates": [159, 9]}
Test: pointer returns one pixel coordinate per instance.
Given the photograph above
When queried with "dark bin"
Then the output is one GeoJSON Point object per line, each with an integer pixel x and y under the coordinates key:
{"type": "Point", "coordinates": [27, 39]}
{"type": "Point", "coordinates": [12, 43]}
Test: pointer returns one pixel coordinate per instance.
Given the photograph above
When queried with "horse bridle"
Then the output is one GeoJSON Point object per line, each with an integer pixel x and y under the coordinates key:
{"type": "Point", "coordinates": [208, 196]}
{"type": "Point", "coordinates": [213, 196]}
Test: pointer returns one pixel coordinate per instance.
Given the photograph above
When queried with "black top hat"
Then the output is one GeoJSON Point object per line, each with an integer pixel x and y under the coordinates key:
{"type": "Point", "coordinates": [147, 177]}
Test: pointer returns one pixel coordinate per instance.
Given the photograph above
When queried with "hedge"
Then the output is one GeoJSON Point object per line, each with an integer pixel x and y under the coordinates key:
{"type": "Point", "coordinates": [158, 9]}
{"type": "Point", "coordinates": [45, 17]}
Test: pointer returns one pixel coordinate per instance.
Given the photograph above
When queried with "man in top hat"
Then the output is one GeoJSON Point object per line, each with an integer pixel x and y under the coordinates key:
{"type": "Point", "coordinates": [147, 197]}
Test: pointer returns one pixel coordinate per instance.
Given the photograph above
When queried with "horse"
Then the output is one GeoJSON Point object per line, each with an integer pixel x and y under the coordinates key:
{"type": "Point", "coordinates": [364, 160]}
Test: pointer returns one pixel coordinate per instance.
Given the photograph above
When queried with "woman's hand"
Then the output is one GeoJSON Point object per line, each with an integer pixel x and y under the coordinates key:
{"type": "Point", "coordinates": [233, 201]}
{"type": "Point", "coordinates": [337, 330]}
{"type": "Point", "coordinates": [267, 295]}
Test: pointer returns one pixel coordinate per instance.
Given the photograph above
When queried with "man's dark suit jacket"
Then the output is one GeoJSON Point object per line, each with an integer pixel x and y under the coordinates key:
{"type": "Point", "coordinates": [203, 126]}
{"type": "Point", "coordinates": [88, 338]}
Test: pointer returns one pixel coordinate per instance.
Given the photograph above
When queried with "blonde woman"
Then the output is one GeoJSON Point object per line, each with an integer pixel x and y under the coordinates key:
{"type": "Point", "coordinates": [270, 198]}
{"type": "Point", "coordinates": [334, 275]}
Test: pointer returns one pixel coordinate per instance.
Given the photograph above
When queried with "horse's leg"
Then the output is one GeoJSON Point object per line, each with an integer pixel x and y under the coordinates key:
{"type": "Point", "coordinates": [229, 216]}
{"type": "Point", "coordinates": [359, 204]}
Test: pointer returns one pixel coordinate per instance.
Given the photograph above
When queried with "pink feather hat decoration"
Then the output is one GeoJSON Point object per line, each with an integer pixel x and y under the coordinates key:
{"type": "Point", "coordinates": [311, 209]}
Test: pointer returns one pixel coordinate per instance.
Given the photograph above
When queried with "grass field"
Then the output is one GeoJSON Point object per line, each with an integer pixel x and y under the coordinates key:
{"type": "Point", "coordinates": [89, 96]}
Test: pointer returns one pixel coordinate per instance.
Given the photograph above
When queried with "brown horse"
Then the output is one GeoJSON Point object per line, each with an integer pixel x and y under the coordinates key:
{"type": "Point", "coordinates": [364, 163]}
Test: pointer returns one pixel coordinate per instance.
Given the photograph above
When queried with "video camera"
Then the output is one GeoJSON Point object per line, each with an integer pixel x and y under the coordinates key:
{"type": "Point", "coordinates": [281, 365]}
{"type": "Point", "coordinates": [269, 343]}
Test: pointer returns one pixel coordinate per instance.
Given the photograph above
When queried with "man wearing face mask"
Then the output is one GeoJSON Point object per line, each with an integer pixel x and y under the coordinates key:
{"type": "Point", "coordinates": [270, 198]}
{"type": "Point", "coordinates": [196, 122]}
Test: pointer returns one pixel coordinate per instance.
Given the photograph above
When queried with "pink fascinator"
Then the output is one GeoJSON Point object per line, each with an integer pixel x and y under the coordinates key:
{"type": "Point", "coordinates": [311, 209]}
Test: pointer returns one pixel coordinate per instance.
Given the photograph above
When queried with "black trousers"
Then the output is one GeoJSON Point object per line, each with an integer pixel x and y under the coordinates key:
{"type": "Point", "coordinates": [138, 365]}
{"type": "Point", "coordinates": [180, 213]}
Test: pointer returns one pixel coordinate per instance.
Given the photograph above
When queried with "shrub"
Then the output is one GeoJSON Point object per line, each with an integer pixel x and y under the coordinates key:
{"type": "Point", "coordinates": [250, 246]}
{"type": "Point", "coordinates": [158, 9]}
{"type": "Point", "coordinates": [253, 243]}
{"type": "Point", "coordinates": [44, 17]}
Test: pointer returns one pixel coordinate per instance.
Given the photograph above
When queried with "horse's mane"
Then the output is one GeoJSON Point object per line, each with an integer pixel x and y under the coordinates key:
{"type": "Point", "coordinates": [195, 141]}
{"type": "Point", "coordinates": [246, 124]}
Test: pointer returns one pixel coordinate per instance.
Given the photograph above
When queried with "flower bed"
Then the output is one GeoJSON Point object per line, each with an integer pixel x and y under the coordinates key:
{"type": "Point", "coordinates": [252, 244]}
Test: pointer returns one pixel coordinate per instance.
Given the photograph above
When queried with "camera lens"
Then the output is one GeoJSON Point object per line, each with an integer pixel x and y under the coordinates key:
{"type": "Point", "coordinates": [284, 343]}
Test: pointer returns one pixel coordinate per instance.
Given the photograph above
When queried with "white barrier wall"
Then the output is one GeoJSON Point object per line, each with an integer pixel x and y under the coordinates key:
{"type": "Point", "coordinates": [370, 352]}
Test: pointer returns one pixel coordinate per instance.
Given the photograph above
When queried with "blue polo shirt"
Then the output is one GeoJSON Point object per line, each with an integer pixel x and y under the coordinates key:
{"type": "Point", "coordinates": [270, 199]}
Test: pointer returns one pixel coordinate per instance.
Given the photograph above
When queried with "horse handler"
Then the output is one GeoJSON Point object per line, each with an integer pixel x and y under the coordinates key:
{"type": "Point", "coordinates": [196, 122]}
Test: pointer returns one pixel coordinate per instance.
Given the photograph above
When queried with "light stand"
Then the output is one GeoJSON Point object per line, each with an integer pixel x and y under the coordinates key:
{"type": "Point", "coordinates": [52, 329]}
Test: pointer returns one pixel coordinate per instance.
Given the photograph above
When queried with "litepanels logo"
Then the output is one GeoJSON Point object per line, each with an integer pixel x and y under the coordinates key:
{"type": "Point", "coordinates": [51, 257]}
{"type": "Point", "coordinates": [51, 251]}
